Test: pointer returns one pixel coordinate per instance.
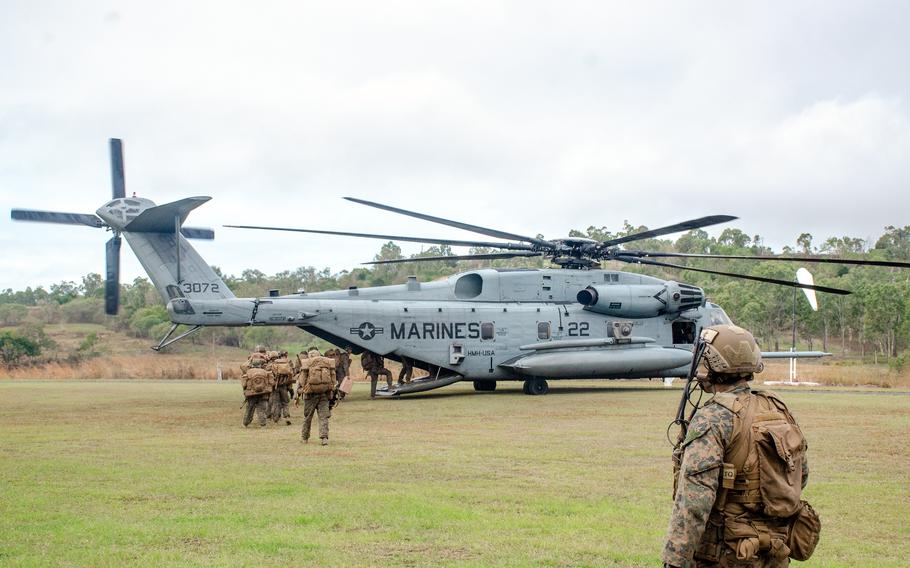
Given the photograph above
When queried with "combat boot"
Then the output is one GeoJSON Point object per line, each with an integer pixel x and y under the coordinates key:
{"type": "Point", "coordinates": [325, 441]}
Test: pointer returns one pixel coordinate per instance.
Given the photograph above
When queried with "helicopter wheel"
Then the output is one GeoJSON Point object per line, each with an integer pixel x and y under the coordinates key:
{"type": "Point", "coordinates": [484, 385]}
{"type": "Point", "coordinates": [536, 386]}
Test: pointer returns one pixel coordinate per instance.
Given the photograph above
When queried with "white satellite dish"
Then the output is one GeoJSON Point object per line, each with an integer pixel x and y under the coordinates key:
{"type": "Point", "coordinates": [803, 276]}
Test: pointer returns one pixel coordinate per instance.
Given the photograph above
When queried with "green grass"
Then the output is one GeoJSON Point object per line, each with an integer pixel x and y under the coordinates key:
{"type": "Point", "coordinates": [161, 473]}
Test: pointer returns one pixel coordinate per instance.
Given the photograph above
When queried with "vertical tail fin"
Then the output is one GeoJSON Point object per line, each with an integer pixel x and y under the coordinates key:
{"type": "Point", "coordinates": [173, 265]}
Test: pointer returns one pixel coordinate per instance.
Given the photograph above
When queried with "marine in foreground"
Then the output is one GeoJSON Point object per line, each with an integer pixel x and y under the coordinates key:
{"type": "Point", "coordinates": [739, 469]}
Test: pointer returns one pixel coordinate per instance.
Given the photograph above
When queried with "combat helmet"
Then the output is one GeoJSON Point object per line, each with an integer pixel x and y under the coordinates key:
{"type": "Point", "coordinates": [731, 353]}
{"type": "Point", "coordinates": [260, 349]}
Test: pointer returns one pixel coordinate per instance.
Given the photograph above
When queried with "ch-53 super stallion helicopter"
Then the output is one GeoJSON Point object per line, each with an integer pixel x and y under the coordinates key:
{"type": "Point", "coordinates": [574, 322]}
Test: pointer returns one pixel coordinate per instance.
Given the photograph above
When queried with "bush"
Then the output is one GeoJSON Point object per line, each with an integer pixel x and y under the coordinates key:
{"type": "Point", "coordinates": [12, 314]}
{"type": "Point", "coordinates": [13, 347]}
{"type": "Point", "coordinates": [145, 319]}
{"type": "Point", "coordinates": [897, 364]}
{"type": "Point", "coordinates": [83, 310]}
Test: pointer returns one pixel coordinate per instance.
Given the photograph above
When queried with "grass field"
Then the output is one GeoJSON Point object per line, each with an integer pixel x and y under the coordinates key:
{"type": "Point", "coordinates": [113, 473]}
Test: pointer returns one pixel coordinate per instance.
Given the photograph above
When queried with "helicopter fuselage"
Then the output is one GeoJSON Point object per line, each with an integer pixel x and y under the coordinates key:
{"type": "Point", "coordinates": [495, 324]}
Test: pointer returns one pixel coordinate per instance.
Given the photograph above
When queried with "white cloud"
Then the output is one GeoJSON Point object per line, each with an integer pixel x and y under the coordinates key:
{"type": "Point", "coordinates": [526, 117]}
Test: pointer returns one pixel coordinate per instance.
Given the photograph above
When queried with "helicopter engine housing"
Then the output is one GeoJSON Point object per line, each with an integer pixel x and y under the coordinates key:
{"type": "Point", "coordinates": [641, 300]}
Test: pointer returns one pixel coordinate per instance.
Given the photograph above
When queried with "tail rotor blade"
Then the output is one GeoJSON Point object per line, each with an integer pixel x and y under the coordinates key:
{"type": "Point", "coordinates": [118, 183]}
{"type": "Point", "coordinates": [56, 217]}
{"type": "Point", "coordinates": [112, 282]}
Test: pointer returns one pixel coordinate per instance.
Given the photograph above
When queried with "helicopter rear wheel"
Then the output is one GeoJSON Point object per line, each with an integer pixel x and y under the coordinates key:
{"type": "Point", "coordinates": [536, 387]}
{"type": "Point", "coordinates": [484, 385]}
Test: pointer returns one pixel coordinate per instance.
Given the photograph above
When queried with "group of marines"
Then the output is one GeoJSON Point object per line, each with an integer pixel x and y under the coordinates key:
{"type": "Point", "coordinates": [271, 379]}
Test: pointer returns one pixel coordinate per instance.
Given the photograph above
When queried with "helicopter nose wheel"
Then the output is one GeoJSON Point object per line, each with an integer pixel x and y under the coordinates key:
{"type": "Point", "coordinates": [536, 386]}
{"type": "Point", "coordinates": [484, 385]}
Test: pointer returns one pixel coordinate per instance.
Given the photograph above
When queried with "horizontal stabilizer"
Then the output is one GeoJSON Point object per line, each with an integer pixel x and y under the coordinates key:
{"type": "Point", "coordinates": [197, 233]}
{"type": "Point", "coordinates": [161, 219]}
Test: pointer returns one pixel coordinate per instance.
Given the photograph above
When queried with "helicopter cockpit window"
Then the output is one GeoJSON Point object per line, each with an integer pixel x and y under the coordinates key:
{"type": "Point", "coordinates": [486, 330]}
{"type": "Point", "coordinates": [468, 286]}
{"type": "Point", "coordinates": [543, 330]}
{"type": "Point", "coordinates": [717, 316]}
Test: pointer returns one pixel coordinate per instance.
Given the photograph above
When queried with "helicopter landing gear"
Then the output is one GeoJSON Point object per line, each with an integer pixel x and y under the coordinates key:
{"type": "Point", "coordinates": [536, 386]}
{"type": "Point", "coordinates": [484, 385]}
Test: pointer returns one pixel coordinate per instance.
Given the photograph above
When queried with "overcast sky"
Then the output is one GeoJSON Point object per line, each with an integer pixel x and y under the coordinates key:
{"type": "Point", "coordinates": [527, 117]}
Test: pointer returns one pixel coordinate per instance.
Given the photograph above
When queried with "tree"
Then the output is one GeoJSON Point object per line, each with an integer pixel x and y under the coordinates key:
{"type": "Point", "coordinates": [64, 292]}
{"type": "Point", "coordinates": [92, 285]}
{"type": "Point", "coordinates": [804, 242]}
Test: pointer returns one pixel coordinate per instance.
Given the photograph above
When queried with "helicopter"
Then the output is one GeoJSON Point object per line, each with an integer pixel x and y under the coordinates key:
{"type": "Point", "coordinates": [576, 321]}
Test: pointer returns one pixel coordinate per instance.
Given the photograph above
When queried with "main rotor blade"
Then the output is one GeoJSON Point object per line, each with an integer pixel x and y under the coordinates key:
{"type": "Point", "coordinates": [56, 217]}
{"type": "Point", "coordinates": [473, 228]}
{"type": "Point", "coordinates": [118, 182]}
{"type": "Point", "coordinates": [490, 256]}
{"type": "Point", "coordinates": [112, 280]}
{"type": "Point", "coordinates": [678, 227]}
{"type": "Point", "coordinates": [648, 254]}
{"type": "Point", "coordinates": [635, 260]}
{"type": "Point", "coordinates": [509, 246]}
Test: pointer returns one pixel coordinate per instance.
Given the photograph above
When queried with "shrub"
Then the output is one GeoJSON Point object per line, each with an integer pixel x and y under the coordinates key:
{"type": "Point", "coordinates": [13, 347]}
{"type": "Point", "coordinates": [83, 310]}
{"type": "Point", "coordinates": [12, 314]}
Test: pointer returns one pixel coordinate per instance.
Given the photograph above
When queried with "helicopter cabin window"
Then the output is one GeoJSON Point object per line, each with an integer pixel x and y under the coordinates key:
{"type": "Point", "coordinates": [611, 278]}
{"type": "Point", "coordinates": [683, 332]}
{"type": "Point", "coordinates": [468, 286]}
{"type": "Point", "coordinates": [543, 330]}
{"type": "Point", "coordinates": [486, 330]}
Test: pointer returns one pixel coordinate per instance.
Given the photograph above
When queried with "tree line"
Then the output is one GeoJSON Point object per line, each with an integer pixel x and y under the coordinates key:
{"type": "Point", "coordinates": [873, 322]}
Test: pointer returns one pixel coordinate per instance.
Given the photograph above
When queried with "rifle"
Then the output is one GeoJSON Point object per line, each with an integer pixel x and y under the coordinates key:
{"type": "Point", "coordinates": [698, 352]}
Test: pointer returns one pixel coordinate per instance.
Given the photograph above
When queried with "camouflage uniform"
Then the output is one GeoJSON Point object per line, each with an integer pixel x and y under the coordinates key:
{"type": "Point", "coordinates": [313, 403]}
{"type": "Point", "coordinates": [735, 499]}
{"type": "Point", "coordinates": [374, 365]}
{"type": "Point", "coordinates": [280, 399]}
{"type": "Point", "coordinates": [694, 515]}
{"type": "Point", "coordinates": [258, 403]}
{"type": "Point", "coordinates": [407, 369]}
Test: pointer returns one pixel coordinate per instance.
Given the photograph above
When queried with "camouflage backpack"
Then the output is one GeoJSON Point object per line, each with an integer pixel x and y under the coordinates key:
{"type": "Point", "coordinates": [257, 381]}
{"type": "Point", "coordinates": [320, 376]}
{"type": "Point", "coordinates": [763, 475]}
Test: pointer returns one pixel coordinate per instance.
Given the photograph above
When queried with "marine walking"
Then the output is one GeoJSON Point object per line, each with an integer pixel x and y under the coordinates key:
{"type": "Point", "coordinates": [316, 386]}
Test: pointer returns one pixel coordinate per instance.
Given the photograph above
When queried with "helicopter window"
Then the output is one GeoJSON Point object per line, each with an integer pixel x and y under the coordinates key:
{"type": "Point", "coordinates": [611, 277]}
{"type": "Point", "coordinates": [486, 330]}
{"type": "Point", "coordinates": [173, 292]}
{"type": "Point", "coordinates": [468, 286]}
{"type": "Point", "coordinates": [543, 330]}
{"type": "Point", "coordinates": [718, 317]}
{"type": "Point", "coordinates": [683, 332]}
